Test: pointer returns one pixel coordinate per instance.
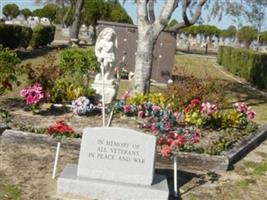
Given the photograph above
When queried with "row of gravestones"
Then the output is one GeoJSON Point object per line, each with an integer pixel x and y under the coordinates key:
{"type": "Point", "coordinates": [29, 22]}
{"type": "Point", "coordinates": [184, 41]}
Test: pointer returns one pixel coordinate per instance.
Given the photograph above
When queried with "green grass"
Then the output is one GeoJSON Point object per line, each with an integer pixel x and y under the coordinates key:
{"type": "Point", "coordinates": [9, 192]}
{"type": "Point", "coordinates": [203, 68]}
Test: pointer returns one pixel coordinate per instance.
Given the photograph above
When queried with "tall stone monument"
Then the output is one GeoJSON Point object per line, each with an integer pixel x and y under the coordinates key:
{"type": "Point", "coordinates": [105, 53]}
{"type": "Point", "coordinates": [114, 164]}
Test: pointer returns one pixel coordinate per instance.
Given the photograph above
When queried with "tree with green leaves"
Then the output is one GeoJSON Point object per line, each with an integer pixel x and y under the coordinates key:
{"type": "Point", "coordinates": [247, 34]}
{"type": "Point", "coordinates": [251, 11]}
{"type": "Point", "coordinates": [11, 10]}
{"type": "Point", "coordinates": [50, 11]}
{"type": "Point", "coordinates": [26, 12]}
{"type": "Point", "coordinates": [38, 12]}
{"type": "Point", "coordinates": [118, 14]}
{"type": "Point", "coordinates": [95, 10]}
{"type": "Point", "coordinates": [263, 37]}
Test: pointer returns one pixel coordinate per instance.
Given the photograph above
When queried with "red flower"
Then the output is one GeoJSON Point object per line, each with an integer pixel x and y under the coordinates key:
{"type": "Point", "coordinates": [195, 102]}
{"type": "Point", "coordinates": [179, 141]}
{"type": "Point", "coordinates": [187, 109]}
{"type": "Point", "coordinates": [166, 151]}
{"type": "Point", "coordinates": [60, 127]}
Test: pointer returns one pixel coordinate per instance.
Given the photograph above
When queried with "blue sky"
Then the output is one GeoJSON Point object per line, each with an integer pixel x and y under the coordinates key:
{"type": "Point", "coordinates": [130, 8]}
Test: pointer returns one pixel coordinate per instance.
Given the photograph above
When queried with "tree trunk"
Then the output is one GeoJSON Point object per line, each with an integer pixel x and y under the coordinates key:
{"type": "Point", "coordinates": [75, 27]}
{"type": "Point", "coordinates": [143, 61]}
{"type": "Point", "coordinates": [61, 12]}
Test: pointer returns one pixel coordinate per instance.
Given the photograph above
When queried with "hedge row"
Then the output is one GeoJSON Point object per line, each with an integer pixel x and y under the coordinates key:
{"type": "Point", "coordinates": [248, 64]}
{"type": "Point", "coordinates": [15, 36]}
{"type": "Point", "coordinates": [42, 35]}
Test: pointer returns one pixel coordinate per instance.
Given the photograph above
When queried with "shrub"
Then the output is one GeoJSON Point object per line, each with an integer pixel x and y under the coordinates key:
{"type": "Point", "coordinates": [78, 63]}
{"type": "Point", "coordinates": [245, 63]}
{"type": "Point", "coordinates": [184, 90]}
{"type": "Point", "coordinates": [45, 73]}
{"type": "Point", "coordinates": [14, 36]}
{"type": "Point", "coordinates": [25, 38]}
{"type": "Point", "coordinates": [75, 60]}
{"type": "Point", "coordinates": [64, 92]}
{"type": "Point", "coordinates": [42, 35]}
{"type": "Point", "coordinates": [8, 69]}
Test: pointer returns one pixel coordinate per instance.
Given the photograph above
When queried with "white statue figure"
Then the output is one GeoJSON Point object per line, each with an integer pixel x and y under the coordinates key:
{"type": "Point", "coordinates": [105, 53]}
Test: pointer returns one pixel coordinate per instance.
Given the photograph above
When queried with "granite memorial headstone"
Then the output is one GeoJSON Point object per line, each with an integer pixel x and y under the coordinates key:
{"type": "Point", "coordinates": [115, 163]}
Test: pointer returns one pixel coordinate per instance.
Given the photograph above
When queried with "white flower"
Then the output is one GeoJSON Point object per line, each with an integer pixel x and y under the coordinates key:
{"type": "Point", "coordinates": [82, 106]}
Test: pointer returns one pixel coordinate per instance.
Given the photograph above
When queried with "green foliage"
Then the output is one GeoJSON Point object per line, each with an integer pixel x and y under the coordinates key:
{"type": "Point", "coordinates": [245, 63]}
{"type": "Point", "coordinates": [158, 99]}
{"type": "Point", "coordinates": [8, 192]}
{"type": "Point", "coordinates": [11, 10]}
{"type": "Point", "coordinates": [183, 91]}
{"type": "Point", "coordinates": [172, 23]}
{"type": "Point", "coordinates": [64, 92]}
{"type": "Point", "coordinates": [229, 118]}
{"type": "Point", "coordinates": [247, 34]}
{"type": "Point", "coordinates": [45, 73]}
{"type": "Point", "coordinates": [118, 14]}
{"type": "Point", "coordinates": [42, 36]}
{"type": "Point", "coordinates": [230, 32]}
{"type": "Point", "coordinates": [13, 36]}
{"type": "Point", "coordinates": [228, 137]}
{"type": "Point", "coordinates": [263, 37]}
{"type": "Point", "coordinates": [8, 69]}
{"type": "Point", "coordinates": [25, 38]}
{"type": "Point", "coordinates": [10, 35]}
{"type": "Point", "coordinates": [206, 30]}
{"type": "Point", "coordinates": [104, 10]}
{"type": "Point", "coordinates": [38, 12]}
{"type": "Point", "coordinates": [50, 11]}
{"type": "Point", "coordinates": [78, 62]}
{"type": "Point", "coordinates": [26, 12]}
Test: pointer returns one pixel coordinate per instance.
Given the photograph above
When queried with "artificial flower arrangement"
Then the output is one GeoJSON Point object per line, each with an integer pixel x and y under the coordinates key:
{"type": "Point", "coordinates": [34, 95]}
{"type": "Point", "coordinates": [60, 129]}
{"type": "Point", "coordinates": [82, 106]}
{"type": "Point", "coordinates": [178, 131]}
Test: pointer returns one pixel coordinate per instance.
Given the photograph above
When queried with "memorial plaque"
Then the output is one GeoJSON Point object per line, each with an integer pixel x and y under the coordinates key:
{"type": "Point", "coordinates": [117, 154]}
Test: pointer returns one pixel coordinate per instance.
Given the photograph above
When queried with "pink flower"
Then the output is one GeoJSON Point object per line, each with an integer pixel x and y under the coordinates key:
{"type": "Point", "coordinates": [33, 94]}
{"type": "Point", "coordinates": [241, 107]}
{"type": "Point", "coordinates": [250, 113]}
{"type": "Point", "coordinates": [125, 95]}
{"type": "Point", "coordinates": [153, 127]}
{"type": "Point", "coordinates": [166, 151]}
{"type": "Point", "coordinates": [141, 114]}
{"type": "Point", "coordinates": [156, 108]}
{"type": "Point", "coordinates": [207, 109]}
{"type": "Point", "coordinates": [167, 125]}
{"type": "Point", "coordinates": [195, 138]}
{"type": "Point", "coordinates": [127, 109]}
{"type": "Point", "coordinates": [140, 108]}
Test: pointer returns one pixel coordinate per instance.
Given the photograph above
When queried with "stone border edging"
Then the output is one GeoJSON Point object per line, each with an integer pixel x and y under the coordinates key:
{"type": "Point", "coordinates": [192, 162]}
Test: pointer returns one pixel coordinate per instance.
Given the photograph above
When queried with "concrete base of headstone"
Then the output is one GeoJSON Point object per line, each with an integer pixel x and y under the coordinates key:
{"type": "Point", "coordinates": [110, 91]}
{"type": "Point", "coordinates": [70, 184]}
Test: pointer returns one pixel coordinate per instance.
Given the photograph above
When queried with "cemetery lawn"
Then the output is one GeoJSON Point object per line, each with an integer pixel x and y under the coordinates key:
{"type": "Point", "coordinates": [32, 179]}
{"type": "Point", "coordinates": [236, 89]}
